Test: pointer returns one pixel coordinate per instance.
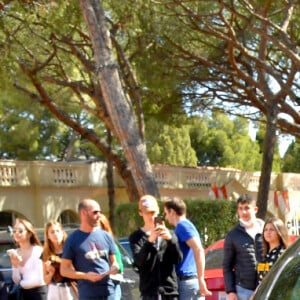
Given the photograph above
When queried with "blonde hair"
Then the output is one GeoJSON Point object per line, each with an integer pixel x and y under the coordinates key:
{"type": "Point", "coordinates": [105, 224]}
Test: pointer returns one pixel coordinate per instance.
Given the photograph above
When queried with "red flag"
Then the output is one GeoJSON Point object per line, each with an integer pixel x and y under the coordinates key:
{"type": "Point", "coordinates": [276, 198]}
{"type": "Point", "coordinates": [285, 196]}
{"type": "Point", "coordinates": [224, 191]}
{"type": "Point", "coordinates": [215, 190]}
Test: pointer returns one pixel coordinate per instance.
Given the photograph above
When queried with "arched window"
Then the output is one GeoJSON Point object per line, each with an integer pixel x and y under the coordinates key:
{"type": "Point", "coordinates": [68, 217]}
{"type": "Point", "coordinates": [7, 218]}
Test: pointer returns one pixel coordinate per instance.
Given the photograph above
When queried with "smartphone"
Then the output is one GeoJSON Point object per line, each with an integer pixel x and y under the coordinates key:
{"type": "Point", "coordinates": [12, 252]}
{"type": "Point", "coordinates": [159, 220]}
{"type": "Point", "coordinates": [15, 253]}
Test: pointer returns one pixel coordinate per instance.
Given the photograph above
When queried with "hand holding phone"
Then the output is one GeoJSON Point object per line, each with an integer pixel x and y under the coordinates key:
{"type": "Point", "coordinates": [14, 253]}
{"type": "Point", "coordinates": [158, 220]}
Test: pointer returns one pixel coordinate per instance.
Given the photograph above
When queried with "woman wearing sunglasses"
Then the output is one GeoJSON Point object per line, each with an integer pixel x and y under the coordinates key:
{"type": "Point", "coordinates": [26, 262]}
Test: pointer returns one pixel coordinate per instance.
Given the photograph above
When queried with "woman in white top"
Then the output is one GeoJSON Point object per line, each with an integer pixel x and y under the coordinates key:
{"type": "Point", "coordinates": [27, 263]}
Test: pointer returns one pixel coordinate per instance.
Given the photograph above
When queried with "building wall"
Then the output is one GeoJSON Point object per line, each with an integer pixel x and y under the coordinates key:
{"type": "Point", "coordinates": [42, 191]}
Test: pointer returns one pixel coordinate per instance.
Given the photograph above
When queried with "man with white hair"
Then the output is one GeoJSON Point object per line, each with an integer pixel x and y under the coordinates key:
{"type": "Point", "coordinates": [155, 252]}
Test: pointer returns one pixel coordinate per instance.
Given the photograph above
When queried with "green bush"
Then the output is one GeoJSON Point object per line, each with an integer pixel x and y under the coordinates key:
{"type": "Point", "coordinates": [213, 218]}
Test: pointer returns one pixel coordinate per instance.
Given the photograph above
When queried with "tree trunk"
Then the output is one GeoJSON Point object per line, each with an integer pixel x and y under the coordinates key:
{"type": "Point", "coordinates": [119, 109]}
{"type": "Point", "coordinates": [268, 153]}
{"type": "Point", "coordinates": [110, 185]}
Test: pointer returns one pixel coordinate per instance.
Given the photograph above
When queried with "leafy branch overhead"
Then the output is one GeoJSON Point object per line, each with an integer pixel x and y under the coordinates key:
{"type": "Point", "coordinates": [176, 59]}
{"type": "Point", "coordinates": [64, 78]}
{"type": "Point", "coordinates": [242, 56]}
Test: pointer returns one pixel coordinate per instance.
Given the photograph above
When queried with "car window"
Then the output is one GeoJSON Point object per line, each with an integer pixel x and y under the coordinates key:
{"type": "Point", "coordinates": [125, 243]}
{"type": "Point", "coordinates": [288, 284]}
{"type": "Point", "coordinates": [214, 259]}
{"type": "Point", "coordinates": [4, 259]}
{"type": "Point", "coordinates": [126, 259]}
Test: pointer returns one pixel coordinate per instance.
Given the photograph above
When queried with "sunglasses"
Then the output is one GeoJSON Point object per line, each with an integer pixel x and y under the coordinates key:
{"type": "Point", "coordinates": [94, 212]}
{"type": "Point", "coordinates": [20, 231]}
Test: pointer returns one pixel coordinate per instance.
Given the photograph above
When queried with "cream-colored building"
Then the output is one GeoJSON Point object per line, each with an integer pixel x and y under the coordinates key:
{"type": "Point", "coordinates": [42, 191]}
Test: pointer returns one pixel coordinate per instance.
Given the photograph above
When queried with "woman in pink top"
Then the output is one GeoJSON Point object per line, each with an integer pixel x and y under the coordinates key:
{"type": "Point", "coordinates": [27, 263]}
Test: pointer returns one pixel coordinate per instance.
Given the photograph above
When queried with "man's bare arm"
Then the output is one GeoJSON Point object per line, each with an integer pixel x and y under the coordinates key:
{"type": "Point", "coordinates": [195, 244]}
{"type": "Point", "coordinates": [67, 270]}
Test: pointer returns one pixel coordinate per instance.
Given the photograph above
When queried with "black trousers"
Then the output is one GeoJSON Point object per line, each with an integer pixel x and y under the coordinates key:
{"type": "Point", "coordinates": [159, 297]}
{"type": "Point", "coordinates": [38, 293]}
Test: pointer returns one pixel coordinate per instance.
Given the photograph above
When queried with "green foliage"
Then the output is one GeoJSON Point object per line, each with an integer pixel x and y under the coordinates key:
{"type": "Point", "coordinates": [168, 144]}
{"type": "Point", "coordinates": [220, 141]}
{"type": "Point", "coordinates": [127, 219]}
{"type": "Point", "coordinates": [212, 218]}
{"type": "Point", "coordinates": [291, 159]}
{"type": "Point", "coordinates": [27, 131]}
{"type": "Point", "coordinates": [180, 66]}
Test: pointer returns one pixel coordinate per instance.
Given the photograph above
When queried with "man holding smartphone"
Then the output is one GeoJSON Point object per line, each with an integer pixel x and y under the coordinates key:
{"type": "Point", "coordinates": [155, 252]}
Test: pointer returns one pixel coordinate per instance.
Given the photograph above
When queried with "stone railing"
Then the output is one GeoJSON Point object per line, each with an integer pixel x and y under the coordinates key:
{"type": "Point", "coordinates": [43, 173]}
{"type": "Point", "coordinates": [59, 174]}
{"type": "Point", "coordinates": [204, 178]}
{"type": "Point", "coordinates": [8, 174]}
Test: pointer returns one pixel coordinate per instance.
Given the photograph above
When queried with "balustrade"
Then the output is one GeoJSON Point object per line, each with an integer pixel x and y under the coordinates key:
{"type": "Point", "coordinates": [43, 173]}
{"type": "Point", "coordinates": [8, 175]}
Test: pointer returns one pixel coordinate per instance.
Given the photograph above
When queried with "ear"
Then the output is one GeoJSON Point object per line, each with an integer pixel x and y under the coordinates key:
{"type": "Point", "coordinates": [140, 213]}
{"type": "Point", "coordinates": [83, 212]}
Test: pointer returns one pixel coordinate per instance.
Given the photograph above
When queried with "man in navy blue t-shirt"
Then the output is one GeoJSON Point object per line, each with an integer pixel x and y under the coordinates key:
{"type": "Point", "coordinates": [89, 255]}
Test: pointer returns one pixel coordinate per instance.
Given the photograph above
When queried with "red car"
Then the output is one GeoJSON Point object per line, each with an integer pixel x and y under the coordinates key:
{"type": "Point", "coordinates": [214, 272]}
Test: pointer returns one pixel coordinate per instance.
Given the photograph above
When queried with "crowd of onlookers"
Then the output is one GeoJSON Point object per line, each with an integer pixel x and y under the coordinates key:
{"type": "Point", "coordinates": [87, 264]}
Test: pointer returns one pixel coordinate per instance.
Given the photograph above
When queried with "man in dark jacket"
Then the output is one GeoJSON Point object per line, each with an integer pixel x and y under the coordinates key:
{"type": "Point", "coordinates": [242, 249]}
{"type": "Point", "coordinates": [155, 252]}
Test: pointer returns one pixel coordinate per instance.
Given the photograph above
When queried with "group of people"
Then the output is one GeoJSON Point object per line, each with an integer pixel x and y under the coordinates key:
{"type": "Point", "coordinates": [87, 265]}
{"type": "Point", "coordinates": [35, 267]}
{"type": "Point", "coordinates": [170, 264]}
{"type": "Point", "coordinates": [82, 266]}
{"type": "Point", "coordinates": [250, 249]}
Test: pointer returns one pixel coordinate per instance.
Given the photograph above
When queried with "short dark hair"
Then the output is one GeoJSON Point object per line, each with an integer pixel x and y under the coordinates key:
{"type": "Point", "coordinates": [245, 198]}
{"type": "Point", "coordinates": [177, 204]}
{"type": "Point", "coordinates": [82, 205]}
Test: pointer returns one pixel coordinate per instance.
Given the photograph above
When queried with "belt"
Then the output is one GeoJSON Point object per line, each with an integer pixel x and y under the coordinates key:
{"type": "Point", "coordinates": [61, 283]}
{"type": "Point", "coordinates": [187, 277]}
